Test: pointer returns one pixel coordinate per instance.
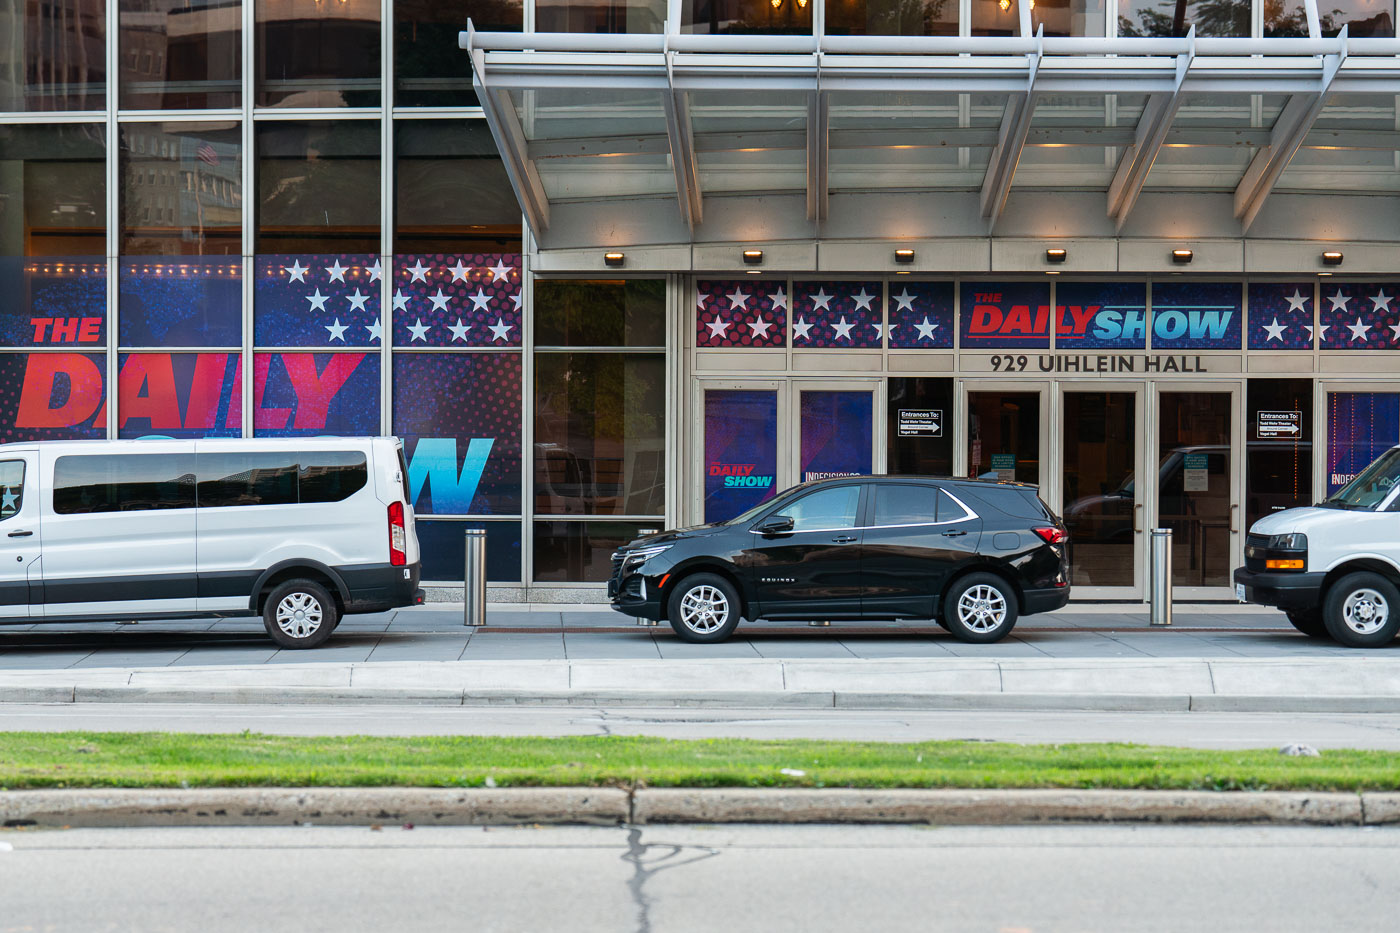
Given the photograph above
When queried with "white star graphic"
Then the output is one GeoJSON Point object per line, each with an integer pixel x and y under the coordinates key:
{"type": "Point", "coordinates": [1296, 302]}
{"type": "Point", "coordinates": [780, 300]}
{"type": "Point", "coordinates": [419, 330]}
{"type": "Point", "coordinates": [842, 329]}
{"type": "Point", "coordinates": [418, 271]}
{"type": "Point", "coordinates": [500, 272]}
{"type": "Point", "coordinates": [459, 330]}
{"type": "Point", "coordinates": [500, 330]}
{"type": "Point", "coordinates": [801, 328]}
{"type": "Point", "coordinates": [318, 301]}
{"type": "Point", "coordinates": [337, 272]}
{"type": "Point", "coordinates": [717, 328]}
{"type": "Point", "coordinates": [863, 300]}
{"type": "Point", "coordinates": [400, 300]}
{"type": "Point", "coordinates": [1395, 330]}
{"type": "Point", "coordinates": [336, 330]}
{"type": "Point", "coordinates": [439, 300]}
{"type": "Point", "coordinates": [737, 299]}
{"type": "Point", "coordinates": [1338, 302]}
{"type": "Point", "coordinates": [1275, 330]}
{"type": "Point", "coordinates": [821, 301]}
{"type": "Point", "coordinates": [480, 300]}
{"type": "Point", "coordinates": [376, 331]}
{"type": "Point", "coordinates": [459, 272]}
{"type": "Point", "coordinates": [879, 331]}
{"type": "Point", "coordinates": [1382, 301]}
{"type": "Point", "coordinates": [700, 297]}
{"type": "Point", "coordinates": [7, 501]}
{"type": "Point", "coordinates": [905, 300]}
{"type": "Point", "coordinates": [357, 301]}
{"type": "Point", "coordinates": [926, 329]}
{"type": "Point", "coordinates": [376, 271]}
{"type": "Point", "coordinates": [296, 272]}
{"type": "Point", "coordinates": [1321, 331]}
{"type": "Point", "coordinates": [1358, 330]}
{"type": "Point", "coordinates": [760, 328]}
{"type": "Point", "coordinates": [516, 299]}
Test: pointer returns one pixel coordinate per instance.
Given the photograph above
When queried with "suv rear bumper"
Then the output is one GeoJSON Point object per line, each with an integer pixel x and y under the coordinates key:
{"type": "Point", "coordinates": [1281, 590]}
{"type": "Point", "coordinates": [1047, 600]}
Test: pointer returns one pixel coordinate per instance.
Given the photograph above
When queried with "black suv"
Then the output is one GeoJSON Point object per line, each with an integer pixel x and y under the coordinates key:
{"type": "Point", "coordinates": [972, 555]}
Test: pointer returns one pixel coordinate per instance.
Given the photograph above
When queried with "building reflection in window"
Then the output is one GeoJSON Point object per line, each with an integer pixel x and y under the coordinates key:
{"type": "Point", "coordinates": [318, 186]}
{"type": "Point", "coordinates": [318, 53]}
{"type": "Point", "coordinates": [634, 16]}
{"type": "Point", "coordinates": [1224, 18]}
{"type": "Point", "coordinates": [767, 17]}
{"type": "Point", "coordinates": [429, 69]}
{"type": "Point", "coordinates": [180, 54]}
{"type": "Point", "coordinates": [182, 189]}
{"type": "Point", "coordinates": [451, 192]}
{"type": "Point", "coordinates": [53, 55]}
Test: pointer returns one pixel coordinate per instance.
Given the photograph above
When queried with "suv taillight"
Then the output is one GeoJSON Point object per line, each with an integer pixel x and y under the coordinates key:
{"type": "Point", "coordinates": [1052, 535]}
{"type": "Point", "coordinates": [398, 536]}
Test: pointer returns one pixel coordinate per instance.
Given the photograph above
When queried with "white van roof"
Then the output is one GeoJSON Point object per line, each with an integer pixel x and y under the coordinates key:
{"type": "Point", "coordinates": [319, 442]}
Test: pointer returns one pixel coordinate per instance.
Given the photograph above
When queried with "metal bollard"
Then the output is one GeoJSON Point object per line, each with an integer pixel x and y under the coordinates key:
{"type": "Point", "coordinates": [474, 579]}
{"type": "Point", "coordinates": [1159, 581]}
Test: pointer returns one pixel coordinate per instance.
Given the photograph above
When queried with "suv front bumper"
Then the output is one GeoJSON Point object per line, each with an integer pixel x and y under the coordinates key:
{"type": "Point", "coordinates": [1281, 590]}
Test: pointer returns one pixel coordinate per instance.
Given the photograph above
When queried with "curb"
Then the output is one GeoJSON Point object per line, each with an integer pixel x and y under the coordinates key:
{"type": "Point", "coordinates": [331, 806]}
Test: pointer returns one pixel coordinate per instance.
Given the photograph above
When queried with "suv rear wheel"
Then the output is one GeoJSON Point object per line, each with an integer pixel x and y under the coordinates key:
{"type": "Point", "coordinates": [704, 608]}
{"type": "Point", "coordinates": [1362, 610]}
{"type": "Point", "coordinates": [981, 607]}
{"type": "Point", "coordinates": [299, 614]}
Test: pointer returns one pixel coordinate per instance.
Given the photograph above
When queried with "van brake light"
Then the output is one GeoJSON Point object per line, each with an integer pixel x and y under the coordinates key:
{"type": "Point", "coordinates": [398, 536]}
{"type": "Point", "coordinates": [1052, 535]}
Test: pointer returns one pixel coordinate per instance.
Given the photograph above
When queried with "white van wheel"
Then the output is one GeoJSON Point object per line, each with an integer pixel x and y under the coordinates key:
{"type": "Point", "coordinates": [299, 614]}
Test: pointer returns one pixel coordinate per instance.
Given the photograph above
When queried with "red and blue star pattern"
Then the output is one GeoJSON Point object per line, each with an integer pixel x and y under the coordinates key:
{"type": "Point", "coordinates": [741, 313]}
{"type": "Point", "coordinates": [838, 314]}
{"type": "Point", "coordinates": [921, 315]}
{"type": "Point", "coordinates": [1359, 317]}
{"type": "Point", "coordinates": [457, 300]}
{"type": "Point", "coordinates": [316, 300]}
{"type": "Point", "coordinates": [1280, 316]}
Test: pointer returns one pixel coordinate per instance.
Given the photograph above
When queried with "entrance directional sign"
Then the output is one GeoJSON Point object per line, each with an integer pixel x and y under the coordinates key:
{"type": "Point", "coordinates": [920, 422]}
{"type": "Point", "coordinates": [1285, 424]}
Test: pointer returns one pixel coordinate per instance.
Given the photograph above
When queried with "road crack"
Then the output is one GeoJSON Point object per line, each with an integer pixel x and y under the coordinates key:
{"type": "Point", "coordinates": [645, 864]}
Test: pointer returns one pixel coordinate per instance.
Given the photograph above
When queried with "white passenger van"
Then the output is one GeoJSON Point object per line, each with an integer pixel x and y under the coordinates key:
{"type": "Point", "coordinates": [1334, 567]}
{"type": "Point", "coordinates": [300, 531]}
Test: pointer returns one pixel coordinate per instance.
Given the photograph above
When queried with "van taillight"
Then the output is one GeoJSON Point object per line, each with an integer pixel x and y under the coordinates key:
{"type": "Point", "coordinates": [398, 536]}
{"type": "Point", "coordinates": [1052, 535]}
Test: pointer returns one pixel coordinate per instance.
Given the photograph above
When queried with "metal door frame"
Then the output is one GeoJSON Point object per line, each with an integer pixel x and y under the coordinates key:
{"type": "Point", "coordinates": [695, 502]}
{"type": "Point", "coordinates": [1049, 414]}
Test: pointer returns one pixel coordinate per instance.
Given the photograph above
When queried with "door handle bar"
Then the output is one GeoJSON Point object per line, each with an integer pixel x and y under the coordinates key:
{"type": "Point", "coordinates": [20, 534]}
{"type": "Point", "coordinates": [1137, 514]}
{"type": "Point", "coordinates": [954, 534]}
{"type": "Point", "coordinates": [1234, 510]}
{"type": "Point", "coordinates": [844, 539]}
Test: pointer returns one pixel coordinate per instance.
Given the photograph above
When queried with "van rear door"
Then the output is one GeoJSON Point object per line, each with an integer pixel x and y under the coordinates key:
{"type": "Point", "coordinates": [19, 533]}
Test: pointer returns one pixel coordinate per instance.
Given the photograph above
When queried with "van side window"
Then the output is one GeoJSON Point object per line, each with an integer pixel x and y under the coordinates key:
{"type": "Point", "coordinates": [122, 483]}
{"type": "Point", "coordinates": [11, 488]}
{"type": "Point", "coordinates": [897, 504]}
{"type": "Point", "coordinates": [273, 478]}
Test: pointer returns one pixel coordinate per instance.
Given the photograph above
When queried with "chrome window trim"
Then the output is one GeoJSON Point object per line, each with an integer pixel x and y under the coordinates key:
{"type": "Point", "coordinates": [1389, 500]}
{"type": "Point", "coordinates": [968, 515]}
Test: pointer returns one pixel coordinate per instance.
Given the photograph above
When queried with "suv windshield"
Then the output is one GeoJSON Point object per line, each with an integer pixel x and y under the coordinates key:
{"type": "Point", "coordinates": [1371, 485]}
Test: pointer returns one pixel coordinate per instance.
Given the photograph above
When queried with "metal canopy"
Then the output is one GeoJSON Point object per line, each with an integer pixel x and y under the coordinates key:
{"type": "Point", "coordinates": [587, 118]}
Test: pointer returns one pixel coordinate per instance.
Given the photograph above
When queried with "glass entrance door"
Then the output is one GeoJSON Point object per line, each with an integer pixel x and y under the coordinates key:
{"type": "Point", "coordinates": [1199, 447]}
{"type": "Point", "coordinates": [1101, 489]}
{"type": "Point", "coordinates": [835, 430]}
{"type": "Point", "coordinates": [1005, 440]}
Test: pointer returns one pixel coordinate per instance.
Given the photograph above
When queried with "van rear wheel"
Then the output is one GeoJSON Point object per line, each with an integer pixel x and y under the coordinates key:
{"type": "Point", "coordinates": [299, 614]}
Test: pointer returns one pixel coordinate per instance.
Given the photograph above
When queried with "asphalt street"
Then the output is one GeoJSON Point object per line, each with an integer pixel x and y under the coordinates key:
{"type": "Point", "coordinates": [678, 879]}
{"type": "Point", "coordinates": [1196, 730]}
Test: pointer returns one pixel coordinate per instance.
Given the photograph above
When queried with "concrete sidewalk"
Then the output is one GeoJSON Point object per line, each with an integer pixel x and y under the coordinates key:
{"type": "Point", "coordinates": [1358, 683]}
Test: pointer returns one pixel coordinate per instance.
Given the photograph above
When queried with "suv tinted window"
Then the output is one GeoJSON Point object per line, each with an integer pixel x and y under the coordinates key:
{"type": "Point", "coordinates": [275, 478]}
{"type": "Point", "coordinates": [827, 508]}
{"type": "Point", "coordinates": [900, 504]}
{"type": "Point", "coordinates": [123, 483]}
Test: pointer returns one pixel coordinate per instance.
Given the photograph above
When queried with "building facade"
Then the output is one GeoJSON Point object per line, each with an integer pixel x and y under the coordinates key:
{"type": "Point", "coordinates": [608, 267]}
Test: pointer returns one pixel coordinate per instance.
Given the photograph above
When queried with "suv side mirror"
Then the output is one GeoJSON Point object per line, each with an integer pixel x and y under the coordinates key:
{"type": "Point", "coordinates": [775, 525]}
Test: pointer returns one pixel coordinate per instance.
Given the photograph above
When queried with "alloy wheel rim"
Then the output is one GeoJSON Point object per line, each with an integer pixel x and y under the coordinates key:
{"type": "Point", "coordinates": [982, 608]}
{"type": "Point", "coordinates": [704, 609]}
{"type": "Point", "coordinates": [1365, 611]}
{"type": "Point", "coordinates": [299, 615]}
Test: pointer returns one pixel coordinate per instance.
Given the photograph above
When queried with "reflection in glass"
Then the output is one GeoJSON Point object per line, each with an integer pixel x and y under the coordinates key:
{"type": "Point", "coordinates": [1193, 484]}
{"type": "Point", "coordinates": [318, 53]}
{"type": "Point", "coordinates": [1285, 19]}
{"type": "Point", "coordinates": [53, 55]}
{"type": "Point", "coordinates": [179, 54]}
{"type": "Point", "coordinates": [1360, 427]}
{"type": "Point", "coordinates": [600, 433]}
{"type": "Point", "coordinates": [1100, 493]}
{"type": "Point", "coordinates": [600, 16]}
{"type": "Point", "coordinates": [995, 18]}
{"type": "Point", "coordinates": [587, 313]}
{"type": "Point", "coordinates": [1363, 18]}
{"type": "Point", "coordinates": [919, 443]}
{"type": "Point", "coordinates": [443, 547]}
{"type": "Point", "coordinates": [451, 193]}
{"type": "Point", "coordinates": [53, 190]}
{"type": "Point", "coordinates": [182, 189]}
{"type": "Point", "coordinates": [318, 186]}
{"type": "Point", "coordinates": [892, 18]}
{"type": "Point", "coordinates": [1175, 17]}
{"type": "Point", "coordinates": [769, 17]}
{"type": "Point", "coordinates": [429, 69]}
{"type": "Point", "coordinates": [1004, 436]}
{"type": "Point", "coordinates": [581, 552]}
{"type": "Point", "coordinates": [1278, 458]}
{"type": "Point", "coordinates": [1068, 17]}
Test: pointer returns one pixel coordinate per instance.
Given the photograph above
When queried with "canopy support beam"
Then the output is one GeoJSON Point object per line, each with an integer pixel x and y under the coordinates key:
{"type": "Point", "coordinates": [1135, 164]}
{"type": "Point", "coordinates": [818, 114]}
{"type": "Point", "coordinates": [1011, 140]}
{"type": "Point", "coordinates": [511, 141]}
{"type": "Point", "coordinates": [681, 138]}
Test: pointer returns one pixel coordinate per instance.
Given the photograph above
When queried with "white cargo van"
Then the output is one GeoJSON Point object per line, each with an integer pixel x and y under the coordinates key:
{"type": "Point", "coordinates": [1333, 567]}
{"type": "Point", "coordinates": [300, 531]}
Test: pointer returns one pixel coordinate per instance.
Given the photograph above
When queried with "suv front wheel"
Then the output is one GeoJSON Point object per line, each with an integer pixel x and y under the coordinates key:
{"type": "Point", "coordinates": [704, 608]}
{"type": "Point", "coordinates": [981, 608]}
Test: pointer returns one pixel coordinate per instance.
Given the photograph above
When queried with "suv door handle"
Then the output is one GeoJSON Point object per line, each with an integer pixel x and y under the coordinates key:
{"type": "Point", "coordinates": [844, 539]}
{"type": "Point", "coordinates": [953, 534]}
{"type": "Point", "coordinates": [20, 534]}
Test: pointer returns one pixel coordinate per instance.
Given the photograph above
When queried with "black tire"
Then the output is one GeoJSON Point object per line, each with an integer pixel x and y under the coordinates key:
{"type": "Point", "coordinates": [1362, 610]}
{"type": "Point", "coordinates": [690, 599]}
{"type": "Point", "coordinates": [1309, 622]}
{"type": "Point", "coordinates": [989, 613]}
{"type": "Point", "coordinates": [319, 619]}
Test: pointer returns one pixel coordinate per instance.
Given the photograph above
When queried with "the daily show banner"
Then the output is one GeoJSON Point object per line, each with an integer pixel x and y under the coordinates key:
{"type": "Point", "coordinates": [1005, 315]}
{"type": "Point", "coordinates": [1281, 316]}
{"type": "Point", "coordinates": [1355, 316]}
{"type": "Point", "coordinates": [1101, 315]}
{"type": "Point", "coordinates": [58, 301]}
{"type": "Point", "coordinates": [741, 451]}
{"type": "Point", "coordinates": [52, 396]}
{"type": "Point", "coordinates": [1197, 315]}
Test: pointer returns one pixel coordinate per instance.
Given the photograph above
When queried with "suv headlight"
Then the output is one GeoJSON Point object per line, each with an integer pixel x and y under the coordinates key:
{"type": "Point", "coordinates": [1294, 541]}
{"type": "Point", "coordinates": [634, 559]}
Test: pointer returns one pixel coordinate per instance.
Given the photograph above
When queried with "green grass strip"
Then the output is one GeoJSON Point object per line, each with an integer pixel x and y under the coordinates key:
{"type": "Point", "coordinates": [112, 759]}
